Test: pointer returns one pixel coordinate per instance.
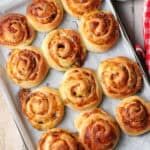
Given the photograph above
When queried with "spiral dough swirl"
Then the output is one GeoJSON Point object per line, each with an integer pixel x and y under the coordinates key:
{"type": "Point", "coordinates": [27, 67]}
{"type": "Point", "coordinates": [120, 77]}
{"type": "Point", "coordinates": [99, 30]}
{"type": "Point", "coordinates": [97, 130]}
{"type": "Point", "coordinates": [58, 139]}
{"type": "Point", "coordinates": [64, 49]}
{"type": "Point", "coordinates": [79, 7]}
{"type": "Point", "coordinates": [45, 15]}
{"type": "Point", "coordinates": [15, 31]}
{"type": "Point", "coordinates": [43, 107]}
{"type": "Point", "coordinates": [133, 115]}
{"type": "Point", "coordinates": [79, 89]}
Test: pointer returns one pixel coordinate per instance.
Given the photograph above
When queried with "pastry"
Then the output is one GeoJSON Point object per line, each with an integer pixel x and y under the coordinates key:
{"type": "Point", "coordinates": [97, 130]}
{"type": "Point", "coordinates": [80, 89]}
{"type": "Point", "coordinates": [120, 77]}
{"type": "Point", "coordinates": [133, 115]}
{"type": "Point", "coordinates": [77, 8]}
{"type": "Point", "coordinates": [58, 139]}
{"type": "Point", "coordinates": [45, 15]}
{"type": "Point", "coordinates": [43, 107]}
{"type": "Point", "coordinates": [27, 67]}
{"type": "Point", "coordinates": [99, 30]}
{"type": "Point", "coordinates": [64, 49]}
{"type": "Point", "coordinates": [15, 31]}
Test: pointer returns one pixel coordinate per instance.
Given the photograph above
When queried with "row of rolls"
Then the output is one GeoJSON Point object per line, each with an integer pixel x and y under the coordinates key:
{"type": "Point", "coordinates": [81, 88]}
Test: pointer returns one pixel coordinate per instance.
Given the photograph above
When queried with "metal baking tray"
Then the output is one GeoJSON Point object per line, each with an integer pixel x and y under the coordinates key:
{"type": "Point", "coordinates": [30, 136]}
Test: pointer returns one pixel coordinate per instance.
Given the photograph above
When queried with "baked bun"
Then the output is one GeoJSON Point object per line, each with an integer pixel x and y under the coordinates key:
{"type": "Point", "coordinates": [97, 130]}
{"type": "Point", "coordinates": [45, 15]}
{"type": "Point", "coordinates": [43, 107]}
{"type": "Point", "coordinates": [133, 115]}
{"type": "Point", "coordinates": [99, 30]}
{"type": "Point", "coordinates": [27, 67]}
{"type": "Point", "coordinates": [120, 77]}
{"type": "Point", "coordinates": [63, 49]}
{"type": "Point", "coordinates": [80, 89]}
{"type": "Point", "coordinates": [77, 8]}
{"type": "Point", "coordinates": [15, 31]}
{"type": "Point", "coordinates": [58, 139]}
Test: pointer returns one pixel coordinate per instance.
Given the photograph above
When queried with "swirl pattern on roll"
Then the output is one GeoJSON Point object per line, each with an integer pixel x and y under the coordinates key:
{"type": "Point", "coordinates": [43, 107]}
{"type": "Point", "coordinates": [79, 7]}
{"type": "Point", "coordinates": [120, 77]}
{"type": "Point", "coordinates": [64, 49]}
{"type": "Point", "coordinates": [58, 139]}
{"type": "Point", "coordinates": [15, 31]}
{"type": "Point", "coordinates": [45, 15]}
{"type": "Point", "coordinates": [97, 130]}
{"type": "Point", "coordinates": [133, 115]}
{"type": "Point", "coordinates": [80, 90]}
{"type": "Point", "coordinates": [99, 30]}
{"type": "Point", "coordinates": [27, 67]}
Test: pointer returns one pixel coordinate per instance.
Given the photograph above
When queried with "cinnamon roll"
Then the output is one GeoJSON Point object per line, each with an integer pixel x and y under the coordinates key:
{"type": "Point", "coordinates": [45, 15]}
{"type": "Point", "coordinates": [27, 67]}
{"type": "Point", "coordinates": [79, 7]}
{"type": "Point", "coordinates": [15, 31]}
{"type": "Point", "coordinates": [43, 107]}
{"type": "Point", "coordinates": [120, 77]}
{"type": "Point", "coordinates": [97, 130]}
{"type": "Point", "coordinates": [80, 89]}
{"type": "Point", "coordinates": [133, 115]}
{"type": "Point", "coordinates": [99, 30]}
{"type": "Point", "coordinates": [58, 139]}
{"type": "Point", "coordinates": [63, 49]}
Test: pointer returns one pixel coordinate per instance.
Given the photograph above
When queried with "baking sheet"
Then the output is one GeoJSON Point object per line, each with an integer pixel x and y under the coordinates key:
{"type": "Point", "coordinates": [123, 48]}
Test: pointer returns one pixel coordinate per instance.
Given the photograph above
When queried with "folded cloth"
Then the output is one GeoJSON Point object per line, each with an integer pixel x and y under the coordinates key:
{"type": "Point", "coordinates": [146, 26]}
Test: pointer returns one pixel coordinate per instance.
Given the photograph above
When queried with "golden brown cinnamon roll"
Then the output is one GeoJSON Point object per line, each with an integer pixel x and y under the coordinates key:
{"type": "Point", "coordinates": [99, 30]}
{"type": "Point", "coordinates": [45, 15]}
{"type": "Point", "coordinates": [15, 31]}
{"type": "Point", "coordinates": [133, 115]}
{"type": "Point", "coordinates": [64, 49]}
{"type": "Point", "coordinates": [79, 7]}
{"type": "Point", "coordinates": [58, 139]}
{"type": "Point", "coordinates": [80, 89]}
{"type": "Point", "coordinates": [27, 67]}
{"type": "Point", "coordinates": [97, 130]}
{"type": "Point", "coordinates": [120, 77]}
{"type": "Point", "coordinates": [43, 107]}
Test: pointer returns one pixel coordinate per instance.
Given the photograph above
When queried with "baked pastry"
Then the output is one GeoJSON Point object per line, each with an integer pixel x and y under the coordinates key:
{"type": "Point", "coordinates": [80, 89]}
{"type": "Point", "coordinates": [43, 107]}
{"type": "Point", "coordinates": [120, 77]}
{"type": "Point", "coordinates": [133, 115]}
{"type": "Point", "coordinates": [27, 67]}
{"type": "Point", "coordinates": [63, 49]}
{"type": "Point", "coordinates": [97, 130]}
{"type": "Point", "coordinates": [58, 139]}
{"type": "Point", "coordinates": [45, 15]}
{"type": "Point", "coordinates": [77, 8]}
{"type": "Point", "coordinates": [99, 30]}
{"type": "Point", "coordinates": [15, 31]}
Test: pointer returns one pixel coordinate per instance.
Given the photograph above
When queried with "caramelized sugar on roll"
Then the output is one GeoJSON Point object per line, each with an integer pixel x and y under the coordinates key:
{"type": "Point", "coordinates": [97, 130]}
{"type": "Point", "coordinates": [79, 7]}
{"type": "Point", "coordinates": [120, 77]}
{"type": "Point", "coordinates": [133, 115]}
{"type": "Point", "coordinates": [27, 67]}
{"type": "Point", "coordinates": [15, 31]}
{"type": "Point", "coordinates": [99, 30]}
{"type": "Point", "coordinates": [80, 90]}
{"type": "Point", "coordinates": [58, 139]}
{"type": "Point", "coordinates": [45, 15]}
{"type": "Point", "coordinates": [63, 49]}
{"type": "Point", "coordinates": [43, 107]}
